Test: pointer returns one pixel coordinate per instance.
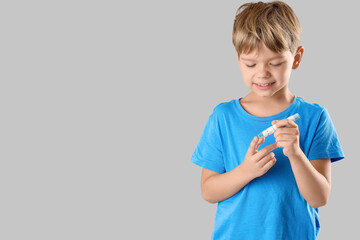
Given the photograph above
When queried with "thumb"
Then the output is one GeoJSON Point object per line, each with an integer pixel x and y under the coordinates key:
{"type": "Point", "coordinates": [274, 122]}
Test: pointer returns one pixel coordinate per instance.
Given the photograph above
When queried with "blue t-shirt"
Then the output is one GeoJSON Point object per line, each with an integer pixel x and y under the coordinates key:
{"type": "Point", "coordinates": [270, 207]}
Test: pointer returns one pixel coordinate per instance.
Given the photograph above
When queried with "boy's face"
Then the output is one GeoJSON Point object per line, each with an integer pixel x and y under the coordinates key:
{"type": "Point", "coordinates": [267, 73]}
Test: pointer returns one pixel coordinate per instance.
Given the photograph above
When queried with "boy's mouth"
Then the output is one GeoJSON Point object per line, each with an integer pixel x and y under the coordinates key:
{"type": "Point", "coordinates": [264, 86]}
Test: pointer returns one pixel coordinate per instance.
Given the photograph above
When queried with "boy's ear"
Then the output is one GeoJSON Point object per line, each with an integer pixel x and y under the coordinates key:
{"type": "Point", "coordinates": [298, 56]}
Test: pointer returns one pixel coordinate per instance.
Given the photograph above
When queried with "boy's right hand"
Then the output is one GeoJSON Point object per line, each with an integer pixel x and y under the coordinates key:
{"type": "Point", "coordinates": [257, 163]}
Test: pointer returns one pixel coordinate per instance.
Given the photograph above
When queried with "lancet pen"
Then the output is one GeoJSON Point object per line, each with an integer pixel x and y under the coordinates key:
{"type": "Point", "coordinates": [273, 128]}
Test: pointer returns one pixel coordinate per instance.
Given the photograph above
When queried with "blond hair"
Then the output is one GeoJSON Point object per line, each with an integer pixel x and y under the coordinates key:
{"type": "Point", "coordinates": [273, 23]}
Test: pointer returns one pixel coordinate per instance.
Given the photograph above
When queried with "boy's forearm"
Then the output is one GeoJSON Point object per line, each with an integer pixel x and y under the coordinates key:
{"type": "Point", "coordinates": [222, 186]}
{"type": "Point", "coordinates": [313, 186]}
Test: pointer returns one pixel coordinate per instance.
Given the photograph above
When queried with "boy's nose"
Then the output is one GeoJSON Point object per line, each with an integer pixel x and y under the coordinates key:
{"type": "Point", "coordinates": [263, 72]}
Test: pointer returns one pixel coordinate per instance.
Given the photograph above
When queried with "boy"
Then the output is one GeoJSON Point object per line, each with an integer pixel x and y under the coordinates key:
{"type": "Point", "coordinates": [270, 192]}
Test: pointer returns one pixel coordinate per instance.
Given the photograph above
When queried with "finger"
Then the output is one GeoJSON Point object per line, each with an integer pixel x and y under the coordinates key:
{"type": "Point", "coordinates": [266, 159]}
{"type": "Point", "coordinates": [285, 131]}
{"type": "Point", "coordinates": [274, 122]}
{"type": "Point", "coordinates": [269, 164]}
{"type": "Point", "coordinates": [266, 150]}
{"type": "Point", "coordinates": [285, 138]}
{"type": "Point", "coordinates": [282, 144]}
{"type": "Point", "coordinates": [261, 141]}
{"type": "Point", "coordinates": [252, 147]}
{"type": "Point", "coordinates": [285, 123]}
{"type": "Point", "coordinates": [292, 124]}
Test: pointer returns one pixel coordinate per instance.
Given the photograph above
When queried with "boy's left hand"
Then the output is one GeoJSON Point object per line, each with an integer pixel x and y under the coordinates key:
{"type": "Point", "coordinates": [287, 137]}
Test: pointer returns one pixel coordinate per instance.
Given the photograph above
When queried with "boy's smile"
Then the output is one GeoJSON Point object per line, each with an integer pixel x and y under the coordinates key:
{"type": "Point", "coordinates": [267, 73]}
{"type": "Point", "coordinates": [264, 86]}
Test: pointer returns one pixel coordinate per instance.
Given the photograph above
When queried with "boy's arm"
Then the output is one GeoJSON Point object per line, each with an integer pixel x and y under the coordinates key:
{"type": "Point", "coordinates": [313, 178]}
{"type": "Point", "coordinates": [216, 187]}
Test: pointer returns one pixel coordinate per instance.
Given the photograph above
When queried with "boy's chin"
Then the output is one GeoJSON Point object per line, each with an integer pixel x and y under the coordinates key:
{"type": "Point", "coordinates": [265, 95]}
{"type": "Point", "coordinates": [272, 93]}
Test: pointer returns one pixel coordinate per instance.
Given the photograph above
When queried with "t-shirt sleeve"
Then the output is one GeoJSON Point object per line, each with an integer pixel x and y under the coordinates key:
{"type": "Point", "coordinates": [325, 143]}
{"type": "Point", "coordinates": [208, 153]}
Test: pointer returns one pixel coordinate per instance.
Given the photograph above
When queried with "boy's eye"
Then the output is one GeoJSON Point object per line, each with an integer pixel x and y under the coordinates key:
{"type": "Point", "coordinates": [276, 65]}
{"type": "Point", "coordinates": [250, 66]}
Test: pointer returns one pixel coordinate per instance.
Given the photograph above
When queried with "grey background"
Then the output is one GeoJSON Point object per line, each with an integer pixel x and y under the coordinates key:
{"type": "Point", "coordinates": [103, 103]}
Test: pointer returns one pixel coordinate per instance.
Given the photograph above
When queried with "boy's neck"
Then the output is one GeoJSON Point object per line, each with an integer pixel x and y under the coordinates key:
{"type": "Point", "coordinates": [266, 106]}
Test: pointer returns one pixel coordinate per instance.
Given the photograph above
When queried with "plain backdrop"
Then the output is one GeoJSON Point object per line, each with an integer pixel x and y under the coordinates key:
{"type": "Point", "coordinates": [103, 103]}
